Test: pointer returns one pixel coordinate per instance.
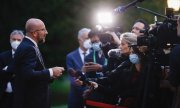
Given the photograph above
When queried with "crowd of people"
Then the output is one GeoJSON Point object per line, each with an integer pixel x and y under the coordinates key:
{"type": "Point", "coordinates": [121, 79]}
{"type": "Point", "coordinates": [106, 69]}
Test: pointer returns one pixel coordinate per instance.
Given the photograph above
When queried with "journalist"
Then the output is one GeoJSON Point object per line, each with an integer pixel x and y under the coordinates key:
{"type": "Point", "coordinates": [95, 61]}
{"type": "Point", "coordinates": [174, 75]}
{"type": "Point", "coordinates": [75, 61]}
{"type": "Point", "coordinates": [122, 85]}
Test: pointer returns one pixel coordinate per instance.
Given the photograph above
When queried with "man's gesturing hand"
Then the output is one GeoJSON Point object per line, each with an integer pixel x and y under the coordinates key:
{"type": "Point", "coordinates": [57, 71]}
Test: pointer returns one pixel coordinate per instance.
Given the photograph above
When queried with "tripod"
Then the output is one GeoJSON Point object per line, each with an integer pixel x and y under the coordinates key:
{"type": "Point", "coordinates": [151, 85]}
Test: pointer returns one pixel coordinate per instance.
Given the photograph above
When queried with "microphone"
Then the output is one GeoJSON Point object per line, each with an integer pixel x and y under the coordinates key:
{"type": "Point", "coordinates": [78, 75]}
{"type": "Point", "coordinates": [122, 9]}
{"type": "Point", "coordinates": [114, 53]}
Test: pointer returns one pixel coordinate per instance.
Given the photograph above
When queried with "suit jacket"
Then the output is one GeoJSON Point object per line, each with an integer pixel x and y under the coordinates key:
{"type": "Point", "coordinates": [5, 60]}
{"type": "Point", "coordinates": [96, 57]}
{"type": "Point", "coordinates": [32, 79]}
{"type": "Point", "coordinates": [73, 60]}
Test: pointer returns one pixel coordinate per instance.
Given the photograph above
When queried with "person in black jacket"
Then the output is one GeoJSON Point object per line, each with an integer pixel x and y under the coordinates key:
{"type": "Point", "coordinates": [32, 79]}
{"type": "Point", "coordinates": [174, 76]}
{"type": "Point", "coordinates": [123, 83]}
{"type": "Point", "coordinates": [6, 80]}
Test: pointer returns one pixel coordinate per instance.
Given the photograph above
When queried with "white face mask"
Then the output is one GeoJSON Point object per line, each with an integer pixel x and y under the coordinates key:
{"type": "Point", "coordinates": [134, 58]}
{"type": "Point", "coordinates": [15, 44]}
{"type": "Point", "coordinates": [87, 44]}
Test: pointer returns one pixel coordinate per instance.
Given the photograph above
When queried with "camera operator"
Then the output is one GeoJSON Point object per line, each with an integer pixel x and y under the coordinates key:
{"type": "Point", "coordinates": [174, 75]}
{"type": "Point", "coordinates": [123, 83]}
{"type": "Point", "coordinates": [139, 25]}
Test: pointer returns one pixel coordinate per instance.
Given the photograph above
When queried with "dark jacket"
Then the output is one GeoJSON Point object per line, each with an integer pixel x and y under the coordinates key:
{"type": "Point", "coordinates": [75, 99]}
{"type": "Point", "coordinates": [121, 82]}
{"type": "Point", "coordinates": [5, 60]}
{"type": "Point", "coordinates": [31, 78]}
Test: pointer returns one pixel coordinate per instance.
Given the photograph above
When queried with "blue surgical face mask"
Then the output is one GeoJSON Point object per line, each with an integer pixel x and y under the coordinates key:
{"type": "Point", "coordinates": [96, 46]}
{"type": "Point", "coordinates": [134, 58]}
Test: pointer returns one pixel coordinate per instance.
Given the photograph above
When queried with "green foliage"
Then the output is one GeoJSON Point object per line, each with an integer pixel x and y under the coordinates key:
{"type": "Point", "coordinates": [63, 20]}
{"type": "Point", "coordinates": [60, 89]}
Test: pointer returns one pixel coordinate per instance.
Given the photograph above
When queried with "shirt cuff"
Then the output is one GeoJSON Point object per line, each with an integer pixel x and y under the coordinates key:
{"type": "Point", "coordinates": [51, 72]}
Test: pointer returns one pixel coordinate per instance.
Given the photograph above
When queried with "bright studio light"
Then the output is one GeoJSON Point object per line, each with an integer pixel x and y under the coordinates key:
{"type": "Point", "coordinates": [175, 4]}
{"type": "Point", "coordinates": [104, 18]}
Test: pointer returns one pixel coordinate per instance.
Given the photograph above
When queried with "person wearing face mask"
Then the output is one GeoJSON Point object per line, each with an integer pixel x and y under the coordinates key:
{"type": "Point", "coordinates": [122, 85]}
{"type": "Point", "coordinates": [75, 61]}
{"type": "Point", "coordinates": [95, 61]}
{"type": "Point", "coordinates": [6, 81]}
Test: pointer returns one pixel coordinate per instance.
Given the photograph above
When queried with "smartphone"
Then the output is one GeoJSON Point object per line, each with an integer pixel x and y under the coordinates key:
{"type": "Point", "coordinates": [88, 60]}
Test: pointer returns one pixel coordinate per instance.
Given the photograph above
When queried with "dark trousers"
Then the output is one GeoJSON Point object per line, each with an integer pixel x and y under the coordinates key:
{"type": "Point", "coordinates": [6, 101]}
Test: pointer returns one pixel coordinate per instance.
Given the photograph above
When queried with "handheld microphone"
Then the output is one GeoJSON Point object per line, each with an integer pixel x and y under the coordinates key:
{"type": "Point", "coordinates": [114, 53]}
{"type": "Point", "coordinates": [78, 75]}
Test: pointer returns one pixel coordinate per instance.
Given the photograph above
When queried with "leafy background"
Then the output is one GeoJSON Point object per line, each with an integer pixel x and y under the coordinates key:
{"type": "Point", "coordinates": [63, 19]}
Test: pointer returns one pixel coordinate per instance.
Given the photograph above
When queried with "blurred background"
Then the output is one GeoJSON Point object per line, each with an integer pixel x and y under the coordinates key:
{"type": "Point", "coordinates": [63, 19]}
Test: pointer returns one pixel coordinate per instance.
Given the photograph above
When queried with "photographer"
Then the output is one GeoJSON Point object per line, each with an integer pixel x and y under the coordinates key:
{"type": "Point", "coordinates": [123, 83]}
{"type": "Point", "coordinates": [174, 75]}
{"type": "Point", "coordinates": [139, 25]}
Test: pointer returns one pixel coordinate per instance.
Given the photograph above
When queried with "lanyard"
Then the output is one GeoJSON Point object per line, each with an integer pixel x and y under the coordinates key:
{"type": "Point", "coordinates": [94, 58]}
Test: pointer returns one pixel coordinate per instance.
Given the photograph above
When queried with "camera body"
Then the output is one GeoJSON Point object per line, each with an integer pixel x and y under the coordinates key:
{"type": "Point", "coordinates": [162, 35]}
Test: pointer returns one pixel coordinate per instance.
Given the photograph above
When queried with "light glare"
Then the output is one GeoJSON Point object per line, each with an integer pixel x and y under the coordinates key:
{"type": "Point", "coordinates": [175, 4]}
{"type": "Point", "coordinates": [104, 18]}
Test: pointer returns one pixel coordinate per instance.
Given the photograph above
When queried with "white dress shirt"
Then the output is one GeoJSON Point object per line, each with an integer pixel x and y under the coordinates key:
{"type": "Point", "coordinates": [50, 70]}
{"type": "Point", "coordinates": [81, 52]}
{"type": "Point", "coordinates": [9, 86]}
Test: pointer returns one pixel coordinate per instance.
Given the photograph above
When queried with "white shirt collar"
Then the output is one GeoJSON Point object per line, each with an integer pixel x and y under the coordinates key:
{"type": "Point", "coordinates": [32, 40]}
{"type": "Point", "coordinates": [81, 51]}
{"type": "Point", "coordinates": [13, 52]}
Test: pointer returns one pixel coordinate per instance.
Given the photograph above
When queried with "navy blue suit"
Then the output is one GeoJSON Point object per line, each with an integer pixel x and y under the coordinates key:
{"type": "Point", "coordinates": [95, 57]}
{"type": "Point", "coordinates": [5, 98]}
{"type": "Point", "coordinates": [73, 60]}
{"type": "Point", "coordinates": [31, 78]}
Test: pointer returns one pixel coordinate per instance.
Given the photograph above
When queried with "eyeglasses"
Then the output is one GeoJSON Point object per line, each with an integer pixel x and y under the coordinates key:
{"type": "Point", "coordinates": [44, 29]}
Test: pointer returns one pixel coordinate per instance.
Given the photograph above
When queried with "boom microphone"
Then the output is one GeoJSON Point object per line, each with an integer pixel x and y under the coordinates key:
{"type": "Point", "coordinates": [122, 9]}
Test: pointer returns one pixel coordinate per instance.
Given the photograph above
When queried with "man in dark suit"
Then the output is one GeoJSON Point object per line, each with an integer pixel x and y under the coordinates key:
{"type": "Point", "coordinates": [75, 60]}
{"type": "Point", "coordinates": [6, 80]}
{"type": "Point", "coordinates": [32, 79]}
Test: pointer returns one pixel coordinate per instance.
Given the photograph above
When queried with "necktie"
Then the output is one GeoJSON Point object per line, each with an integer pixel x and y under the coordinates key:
{"type": "Point", "coordinates": [84, 55]}
{"type": "Point", "coordinates": [40, 56]}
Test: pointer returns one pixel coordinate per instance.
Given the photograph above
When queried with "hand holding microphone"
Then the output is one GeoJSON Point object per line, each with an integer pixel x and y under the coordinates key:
{"type": "Point", "coordinates": [114, 53]}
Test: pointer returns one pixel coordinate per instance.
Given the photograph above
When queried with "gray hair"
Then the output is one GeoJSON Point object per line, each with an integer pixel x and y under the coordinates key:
{"type": "Point", "coordinates": [130, 38]}
{"type": "Point", "coordinates": [17, 32]}
{"type": "Point", "coordinates": [82, 31]}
